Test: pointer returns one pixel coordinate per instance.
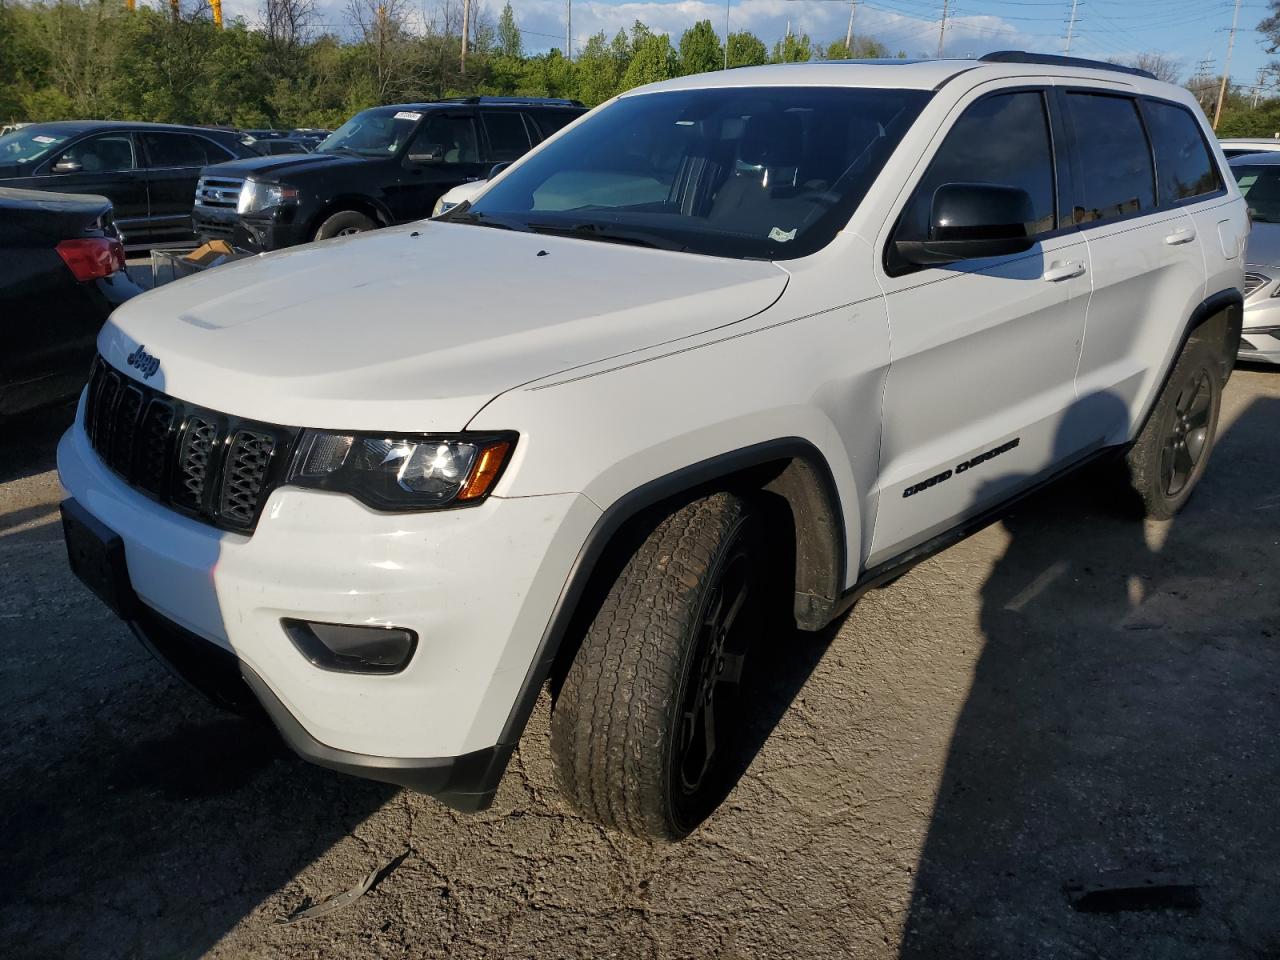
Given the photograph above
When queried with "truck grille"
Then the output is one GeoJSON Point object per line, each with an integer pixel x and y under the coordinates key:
{"type": "Point", "coordinates": [218, 193]}
{"type": "Point", "coordinates": [217, 468]}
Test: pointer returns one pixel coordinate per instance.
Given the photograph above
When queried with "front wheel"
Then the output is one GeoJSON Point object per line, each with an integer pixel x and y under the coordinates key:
{"type": "Point", "coordinates": [643, 729]}
{"type": "Point", "coordinates": [1172, 452]}
{"type": "Point", "coordinates": [344, 223]}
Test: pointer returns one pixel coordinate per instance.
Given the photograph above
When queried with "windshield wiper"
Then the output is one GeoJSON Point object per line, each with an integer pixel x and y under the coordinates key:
{"type": "Point", "coordinates": [596, 231]}
{"type": "Point", "coordinates": [461, 214]}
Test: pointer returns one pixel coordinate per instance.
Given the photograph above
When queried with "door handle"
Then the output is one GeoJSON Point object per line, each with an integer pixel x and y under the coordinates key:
{"type": "Point", "coordinates": [1061, 270]}
{"type": "Point", "coordinates": [1181, 235]}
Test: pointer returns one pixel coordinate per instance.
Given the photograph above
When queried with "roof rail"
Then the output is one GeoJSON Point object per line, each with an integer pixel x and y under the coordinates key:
{"type": "Point", "coordinates": [551, 101]}
{"type": "Point", "coordinates": [1054, 60]}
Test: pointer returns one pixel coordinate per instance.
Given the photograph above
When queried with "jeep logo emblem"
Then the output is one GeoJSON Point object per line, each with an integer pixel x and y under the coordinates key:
{"type": "Point", "coordinates": [145, 363]}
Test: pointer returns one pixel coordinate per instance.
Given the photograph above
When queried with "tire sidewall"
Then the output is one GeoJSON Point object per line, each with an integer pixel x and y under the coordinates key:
{"type": "Point", "coordinates": [1194, 360]}
{"type": "Point", "coordinates": [341, 220]}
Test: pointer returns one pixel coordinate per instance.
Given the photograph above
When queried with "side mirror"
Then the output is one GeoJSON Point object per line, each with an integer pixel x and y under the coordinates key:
{"type": "Point", "coordinates": [67, 165]}
{"type": "Point", "coordinates": [973, 220]}
{"type": "Point", "coordinates": [497, 168]}
{"type": "Point", "coordinates": [428, 153]}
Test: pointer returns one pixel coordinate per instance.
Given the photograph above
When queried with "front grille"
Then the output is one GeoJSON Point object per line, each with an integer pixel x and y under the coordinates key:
{"type": "Point", "coordinates": [1252, 281]}
{"type": "Point", "coordinates": [212, 229]}
{"type": "Point", "coordinates": [218, 193]}
{"type": "Point", "coordinates": [217, 468]}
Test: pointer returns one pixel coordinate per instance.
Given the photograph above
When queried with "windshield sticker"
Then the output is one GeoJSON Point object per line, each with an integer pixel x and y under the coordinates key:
{"type": "Point", "coordinates": [407, 115]}
{"type": "Point", "coordinates": [782, 236]}
{"type": "Point", "coordinates": [45, 139]}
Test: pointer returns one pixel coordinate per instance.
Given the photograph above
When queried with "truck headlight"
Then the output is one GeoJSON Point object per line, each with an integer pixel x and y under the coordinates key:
{"type": "Point", "coordinates": [256, 197]}
{"type": "Point", "coordinates": [442, 206]}
{"type": "Point", "coordinates": [395, 473]}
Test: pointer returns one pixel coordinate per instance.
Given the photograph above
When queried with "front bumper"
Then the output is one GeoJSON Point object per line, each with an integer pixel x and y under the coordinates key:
{"type": "Point", "coordinates": [258, 234]}
{"type": "Point", "coordinates": [478, 585]}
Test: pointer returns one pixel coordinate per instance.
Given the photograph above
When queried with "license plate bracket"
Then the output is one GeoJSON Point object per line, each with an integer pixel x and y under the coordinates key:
{"type": "Point", "coordinates": [96, 554]}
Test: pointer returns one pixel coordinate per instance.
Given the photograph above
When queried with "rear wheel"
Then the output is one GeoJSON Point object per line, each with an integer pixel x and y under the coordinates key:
{"type": "Point", "coordinates": [1172, 451]}
{"type": "Point", "coordinates": [344, 223]}
{"type": "Point", "coordinates": [643, 729]}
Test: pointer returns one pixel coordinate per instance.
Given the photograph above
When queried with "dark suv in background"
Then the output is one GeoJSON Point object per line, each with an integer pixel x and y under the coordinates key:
{"type": "Point", "coordinates": [147, 170]}
{"type": "Point", "coordinates": [385, 165]}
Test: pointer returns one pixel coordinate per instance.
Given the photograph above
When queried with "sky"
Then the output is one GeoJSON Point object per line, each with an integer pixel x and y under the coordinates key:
{"type": "Point", "coordinates": [1190, 31]}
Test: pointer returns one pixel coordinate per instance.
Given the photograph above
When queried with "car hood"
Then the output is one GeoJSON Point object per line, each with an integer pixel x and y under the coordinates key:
{"type": "Point", "coordinates": [415, 328]}
{"type": "Point", "coordinates": [1264, 245]}
{"type": "Point", "coordinates": [271, 167]}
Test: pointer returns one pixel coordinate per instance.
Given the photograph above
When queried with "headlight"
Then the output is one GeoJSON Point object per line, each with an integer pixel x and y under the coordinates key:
{"type": "Point", "coordinates": [255, 196]}
{"type": "Point", "coordinates": [441, 206]}
{"type": "Point", "coordinates": [402, 473]}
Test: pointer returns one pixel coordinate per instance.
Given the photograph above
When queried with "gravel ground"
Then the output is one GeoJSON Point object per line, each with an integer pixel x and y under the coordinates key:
{"type": "Point", "coordinates": [1065, 694]}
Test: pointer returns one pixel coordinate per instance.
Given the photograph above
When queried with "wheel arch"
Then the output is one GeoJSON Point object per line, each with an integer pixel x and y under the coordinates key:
{"type": "Point", "coordinates": [790, 470]}
{"type": "Point", "coordinates": [350, 201]}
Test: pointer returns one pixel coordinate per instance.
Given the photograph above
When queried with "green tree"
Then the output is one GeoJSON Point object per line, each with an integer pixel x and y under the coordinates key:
{"type": "Point", "coordinates": [700, 49]}
{"type": "Point", "coordinates": [654, 59]}
{"type": "Point", "coordinates": [863, 48]}
{"type": "Point", "coordinates": [747, 50]}
{"type": "Point", "coordinates": [509, 41]}
{"type": "Point", "coordinates": [793, 48]}
{"type": "Point", "coordinates": [599, 71]}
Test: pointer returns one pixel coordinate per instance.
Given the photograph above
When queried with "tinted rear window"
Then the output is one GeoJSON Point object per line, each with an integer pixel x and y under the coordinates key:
{"type": "Point", "coordinates": [1115, 158]}
{"type": "Point", "coordinates": [1183, 163]}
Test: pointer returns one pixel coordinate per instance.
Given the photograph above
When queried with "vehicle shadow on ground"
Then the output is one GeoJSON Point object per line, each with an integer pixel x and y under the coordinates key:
{"type": "Point", "coordinates": [1123, 716]}
{"type": "Point", "coordinates": [136, 820]}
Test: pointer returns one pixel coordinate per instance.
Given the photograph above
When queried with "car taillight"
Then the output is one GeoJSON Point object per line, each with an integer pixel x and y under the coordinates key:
{"type": "Point", "coordinates": [91, 258]}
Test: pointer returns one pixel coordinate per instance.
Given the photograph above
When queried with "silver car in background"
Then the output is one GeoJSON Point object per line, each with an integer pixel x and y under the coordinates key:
{"type": "Point", "coordinates": [1258, 175]}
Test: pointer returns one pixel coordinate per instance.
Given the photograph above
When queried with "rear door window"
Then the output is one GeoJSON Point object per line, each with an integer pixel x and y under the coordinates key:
{"type": "Point", "coordinates": [175, 150]}
{"type": "Point", "coordinates": [1184, 166]}
{"type": "Point", "coordinates": [508, 139]}
{"type": "Point", "coordinates": [1118, 177]}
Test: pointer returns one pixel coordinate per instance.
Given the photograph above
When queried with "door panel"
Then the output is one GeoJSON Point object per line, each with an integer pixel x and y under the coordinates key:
{"type": "Point", "coordinates": [456, 141]}
{"type": "Point", "coordinates": [174, 161]}
{"type": "Point", "coordinates": [982, 376]}
{"type": "Point", "coordinates": [1147, 264]}
{"type": "Point", "coordinates": [108, 166]}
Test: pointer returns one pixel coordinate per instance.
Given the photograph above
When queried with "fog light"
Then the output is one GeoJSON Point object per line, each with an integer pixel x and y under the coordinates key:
{"type": "Point", "coordinates": [347, 648]}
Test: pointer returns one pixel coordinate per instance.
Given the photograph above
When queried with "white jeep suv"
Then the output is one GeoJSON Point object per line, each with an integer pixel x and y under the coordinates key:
{"type": "Point", "coordinates": [786, 327]}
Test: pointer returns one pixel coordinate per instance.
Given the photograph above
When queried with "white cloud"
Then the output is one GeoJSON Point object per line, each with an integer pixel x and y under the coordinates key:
{"type": "Point", "coordinates": [543, 22]}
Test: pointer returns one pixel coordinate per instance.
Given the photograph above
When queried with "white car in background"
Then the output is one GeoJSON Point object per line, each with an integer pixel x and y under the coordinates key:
{"type": "Point", "coordinates": [1258, 176]}
{"type": "Point", "coordinates": [463, 192]}
{"type": "Point", "coordinates": [1237, 146]}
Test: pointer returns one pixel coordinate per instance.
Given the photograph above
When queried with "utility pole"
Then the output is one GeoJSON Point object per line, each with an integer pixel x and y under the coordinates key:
{"type": "Point", "coordinates": [216, 7]}
{"type": "Point", "coordinates": [466, 33]}
{"type": "Point", "coordinates": [1071, 27]}
{"type": "Point", "coordinates": [942, 29]}
{"type": "Point", "coordinates": [1257, 87]}
{"type": "Point", "coordinates": [1226, 67]}
{"type": "Point", "coordinates": [848, 34]}
{"type": "Point", "coordinates": [726, 33]}
{"type": "Point", "coordinates": [568, 29]}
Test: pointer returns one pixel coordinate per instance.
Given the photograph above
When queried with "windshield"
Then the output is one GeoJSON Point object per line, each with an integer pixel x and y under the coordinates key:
{"type": "Point", "coordinates": [29, 143]}
{"type": "Point", "coordinates": [373, 133]}
{"type": "Point", "coordinates": [1260, 186]}
{"type": "Point", "coordinates": [768, 172]}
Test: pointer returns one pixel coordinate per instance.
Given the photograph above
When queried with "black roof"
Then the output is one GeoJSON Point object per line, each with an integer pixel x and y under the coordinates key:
{"type": "Point", "coordinates": [72, 127]}
{"type": "Point", "coordinates": [485, 101]}
{"type": "Point", "coordinates": [1263, 158]}
{"type": "Point", "coordinates": [1056, 60]}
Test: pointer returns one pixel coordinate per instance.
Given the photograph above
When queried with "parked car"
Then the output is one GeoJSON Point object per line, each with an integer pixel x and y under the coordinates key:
{"type": "Point", "coordinates": [1237, 146]}
{"type": "Point", "coordinates": [61, 274]}
{"type": "Point", "coordinates": [282, 145]}
{"type": "Point", "coordinates": [313, 135]}
{"type": "Point", "coordinates": [462, 193]}
{"type": "Point", "coordinates": [704, 367]}
{"type": "Point", "coordinates": [1258, 176]}
{"type": "Point", "coordinates": [147, 170]}
{"type": "Point", "coordinates": [383, 166]}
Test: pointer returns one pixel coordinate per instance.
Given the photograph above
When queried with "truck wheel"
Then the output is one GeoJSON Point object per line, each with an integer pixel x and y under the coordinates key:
{"type": "Point", "coordinates": [1171, 453]}
{"type": "Point", "coordinates": [344, 223]}
{"type": "Point", "coordinates": [643, 728]}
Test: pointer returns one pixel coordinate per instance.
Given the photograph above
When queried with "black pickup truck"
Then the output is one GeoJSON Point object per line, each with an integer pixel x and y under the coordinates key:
{"type": "Point", "coordinates": [385, 165]}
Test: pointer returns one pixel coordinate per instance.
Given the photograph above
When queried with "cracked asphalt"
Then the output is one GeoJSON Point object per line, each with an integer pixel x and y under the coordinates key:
{"type": "Point", "coordinates": [1065, 694]}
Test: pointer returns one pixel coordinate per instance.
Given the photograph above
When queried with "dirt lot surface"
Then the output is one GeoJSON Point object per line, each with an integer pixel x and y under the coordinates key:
{"type": "Point", "coordinates": [1065, 694]}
